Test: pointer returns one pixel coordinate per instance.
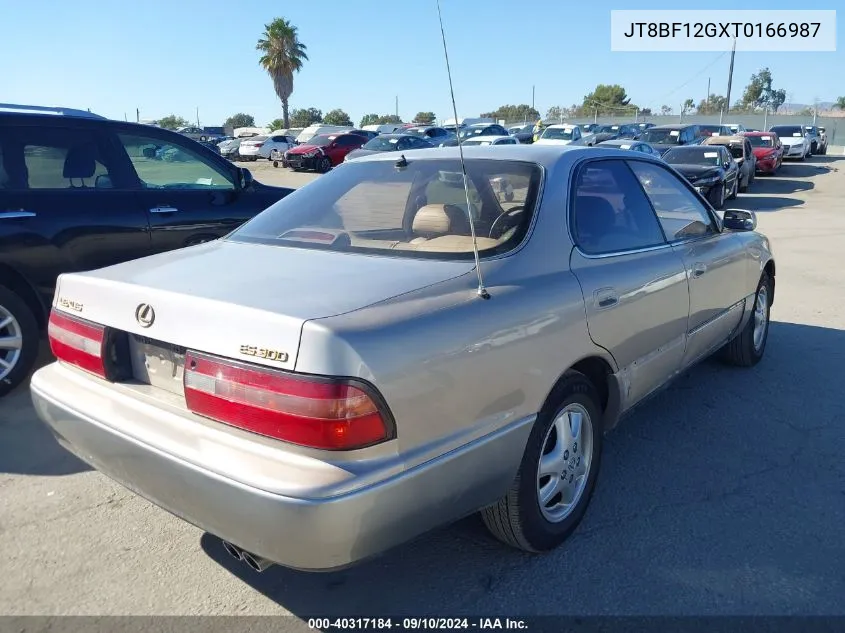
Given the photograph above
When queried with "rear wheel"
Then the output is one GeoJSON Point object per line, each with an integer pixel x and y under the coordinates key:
{"type": "Point", "coordinates": [19, 339]}
{"type": "Point", "coordinates": [324, 165]}
{"type": "Point", "coordinates": [556, 478]}
{"type": "Point", "coordinates": [747, 348]}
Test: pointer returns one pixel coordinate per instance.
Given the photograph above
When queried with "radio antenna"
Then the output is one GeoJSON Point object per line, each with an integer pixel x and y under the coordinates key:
{"type": "Point", "coordinates": [482, 291]}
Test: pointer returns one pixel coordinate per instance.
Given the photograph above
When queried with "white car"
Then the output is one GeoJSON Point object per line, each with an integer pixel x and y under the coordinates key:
{"type": "Point", "coordinates": [275, 146]}
{"type": "Point", "coordinates": [795, 141]}
{"type": "Point", "coordinates": [565, 134]}
{"type": "Point", "coordinates": [491, 140]}
{"type": "Point", "coordinates": [250, 148]}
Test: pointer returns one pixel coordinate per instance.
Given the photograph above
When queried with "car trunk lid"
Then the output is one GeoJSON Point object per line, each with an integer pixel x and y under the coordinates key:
{"type": "Point", "coordinates": [237, 300]}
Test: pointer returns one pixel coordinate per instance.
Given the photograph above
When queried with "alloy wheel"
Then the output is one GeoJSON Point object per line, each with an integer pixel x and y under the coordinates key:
{"type": "Point", "coordinates": [564, 466]}
{"type": "Point", "coordinates": [761, 317]}
{"type": "Point", "coordinates": [11, 342]}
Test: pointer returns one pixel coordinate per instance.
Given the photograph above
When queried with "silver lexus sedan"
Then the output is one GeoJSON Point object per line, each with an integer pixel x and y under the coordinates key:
{"type": "Point", "coordinates": [338, 376]}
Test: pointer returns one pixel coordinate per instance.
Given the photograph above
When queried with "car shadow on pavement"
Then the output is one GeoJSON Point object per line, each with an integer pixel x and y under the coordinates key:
{"type": "Point", "coordinates": [762, 204]}
{"type": "Point", "coordinates": [775, 185]}
{"type": "Point", "coordinates": [27, 446]}
{"type": "Point", "coordinates": [722, 494]}
{"type": "Point", "coordinates": [805, 170]}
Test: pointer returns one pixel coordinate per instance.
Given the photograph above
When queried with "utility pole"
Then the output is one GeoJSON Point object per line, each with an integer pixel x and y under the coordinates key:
{"type": "Point", "coordinates": [730, 78]}
{"type": "Point", "coordinates": [137, 115]}
{"type": "Point", "coordinates": [397, 105]}
{"type": "Point", "coordinates": [815, 109]}
{"type": "Point", "coordinates": [707, 96]}
{"type": "Point", "coordinates": [532, 97]}
{"type": "Point", "coordinates": [198, 116]}
{"type": "Point", "coordinates": [596, 117]}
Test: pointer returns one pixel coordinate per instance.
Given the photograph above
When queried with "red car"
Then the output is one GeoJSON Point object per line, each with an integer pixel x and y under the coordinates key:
{"type": "Point", "coordinates": [767, 149]}
{"type": "Point", "coordinates": [323, 152]}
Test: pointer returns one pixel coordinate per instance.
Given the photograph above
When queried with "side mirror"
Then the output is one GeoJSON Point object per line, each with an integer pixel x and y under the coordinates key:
{"type": "Point", "coordinates": [727, 164]}
{"type": "Point", "coordinates": [245, 178]}
{"type": "Point", "coordinates": [739, 220]}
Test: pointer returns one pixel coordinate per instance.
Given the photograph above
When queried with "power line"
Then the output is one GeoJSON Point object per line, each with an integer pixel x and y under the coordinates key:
{"type": "Point", "coordinates": [688, 81]}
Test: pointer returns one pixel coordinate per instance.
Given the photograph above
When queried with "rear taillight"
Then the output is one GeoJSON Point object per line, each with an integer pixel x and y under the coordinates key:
{"type": "Point", "coordinates": [77, 342]}
{"type": "Point", "coordinates": [259, 144]}
{"type": "Point", "coordinates": [318, 413]}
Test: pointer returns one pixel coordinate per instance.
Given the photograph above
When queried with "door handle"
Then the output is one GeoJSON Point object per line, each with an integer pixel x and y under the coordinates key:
{"type": "Point", "coordinates": [164, 210]}
{"type": "Point", "coordinates": [11, 214]}
{"type": "Point", "coordinates": [698, 270]}
{"type": "Point", "coordinates": [606, 298]}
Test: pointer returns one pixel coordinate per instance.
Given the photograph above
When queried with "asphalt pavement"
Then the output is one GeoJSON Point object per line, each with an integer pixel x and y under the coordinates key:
{"type": "Point", "coordinates": [723, 495]}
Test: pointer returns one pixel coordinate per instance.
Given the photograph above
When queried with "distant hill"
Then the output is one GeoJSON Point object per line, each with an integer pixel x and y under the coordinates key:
{"type": "Point", "coordinates": [797, 107]}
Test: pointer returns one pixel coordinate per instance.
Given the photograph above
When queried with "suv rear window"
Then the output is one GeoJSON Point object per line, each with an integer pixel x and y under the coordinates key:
{"type": "Point", "coordinates": [419, 210]}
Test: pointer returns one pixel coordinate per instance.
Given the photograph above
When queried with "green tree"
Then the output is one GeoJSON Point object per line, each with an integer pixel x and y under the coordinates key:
{"type": "Point", "coordinates": [337, 117]}
{"type": "Point", "coordinates": [760, 94]}
{"type": "Point", "coordinates": [276, 124]}
{"type": "Point", "coordinates": [665, 110]}
{"type": "Point", "coordinates": [808, 111]}
{"type": "Point", "coordinates": [368, 119]}
{"type": "Point", "coordinates": [713, 105]}
{"type": "Point", "coordinates": [303, 117]}
{"type": "Point", "coordinates": [172, 122]}
{"type": "Point", "coordinates": [556, 113]}
{"type": "Point", "coordinates": [282, 54]}
{"type": "Point", "coordinates": [240, 120]}
{"type": "Point", "coordinates": [840, 103]}
{"type": "Point", "coordinates": [645, 112]}
{"type": "Point", "coordinates": [689, 106]}
{"type": "Point", "coordinates": [425, 117]}
{"type": "Point", "coordinates": [521, 112]}
{"type": "Point", "coordinates": [384, 119]}
{"type": "Point", "coordinates": [609, 99]}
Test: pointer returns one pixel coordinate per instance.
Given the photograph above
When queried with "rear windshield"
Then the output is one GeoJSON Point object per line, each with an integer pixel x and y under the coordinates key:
{"type": "Point", "coordinates": [557, 133]}
{"type": "Point", "coordinates": [761, 141]}
{"type": "Point", "coordinates": [661, 136]}
{"type": "Point", "coordinates": [784, 131]}
{"type": "Point", "coordinates": [698, 155]}
{"type": "Point", "coordinates": [418, 210]}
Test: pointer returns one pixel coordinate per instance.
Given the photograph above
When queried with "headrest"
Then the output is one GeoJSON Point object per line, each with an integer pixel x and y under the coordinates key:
{"type": "Point", "coordinates": [80, 162]}
{"type": "Point", "coordinates": [440, 219]}
{"type": "Point", "coordinates": [594, 214]}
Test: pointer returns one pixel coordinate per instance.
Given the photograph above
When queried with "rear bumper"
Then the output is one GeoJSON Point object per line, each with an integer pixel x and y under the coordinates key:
{"type": "Point", "coordinates": [303, 533]}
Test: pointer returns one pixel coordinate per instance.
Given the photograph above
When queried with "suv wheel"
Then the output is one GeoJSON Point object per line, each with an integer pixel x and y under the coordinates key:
{"type": "Point", "coordinates": [19, 339]}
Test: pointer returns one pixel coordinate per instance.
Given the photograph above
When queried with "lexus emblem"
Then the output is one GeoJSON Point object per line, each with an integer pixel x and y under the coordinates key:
{"type": "Point", "coordinates": [145, 315]}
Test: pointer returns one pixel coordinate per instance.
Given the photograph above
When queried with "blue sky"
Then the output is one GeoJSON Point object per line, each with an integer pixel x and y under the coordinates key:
{"type": "Point", "coordinates": [175, 56]}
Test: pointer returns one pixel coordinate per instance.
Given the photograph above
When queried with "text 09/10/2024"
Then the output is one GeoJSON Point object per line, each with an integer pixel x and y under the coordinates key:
{"type": "Point", "coordinates": [798, 31]}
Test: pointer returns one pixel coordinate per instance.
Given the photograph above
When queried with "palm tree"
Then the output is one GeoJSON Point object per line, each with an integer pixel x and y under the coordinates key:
{"type": "Point", "coordinates": [282, 56]}
{"type": "Point", "coordinates": [840, 103]}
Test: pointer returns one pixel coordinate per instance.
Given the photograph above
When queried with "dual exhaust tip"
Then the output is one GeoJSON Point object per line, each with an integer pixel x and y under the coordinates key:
{"type": "Point", "coordinates": [257, 563]}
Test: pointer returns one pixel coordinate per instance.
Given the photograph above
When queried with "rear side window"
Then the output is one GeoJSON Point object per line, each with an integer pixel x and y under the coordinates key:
{"type": "Point", "coordinates": [610, 212]}
{"type": "Point", "coordinates": [53, 158]}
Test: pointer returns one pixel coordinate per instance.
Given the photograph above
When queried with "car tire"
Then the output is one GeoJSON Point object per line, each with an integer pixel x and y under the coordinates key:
{"type": "Point", "coordinates": [744, 188]}
{"type": "Point", "coordinates": [717, 196]}
{"type": "Point", "coordinates": [747, 348]}
{"type": "Point", "coordinates": [18, 321]}
{"type": "Point", "coordinates": [734, 190]}
{"type": "Point", "coordinates": [324, 165]}
{"type": "Point", "coordinates": [519, 518]}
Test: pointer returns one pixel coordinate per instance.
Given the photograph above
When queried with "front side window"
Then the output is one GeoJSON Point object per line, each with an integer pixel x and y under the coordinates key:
{"type": "Point", "coordinates": [163, 164]}
{"type": "Point", "coordinates": [418, 210]}
{"type": "Point", "coordinates": [610, 212]}
{"type": "Point", "coordinates": [682, 215]}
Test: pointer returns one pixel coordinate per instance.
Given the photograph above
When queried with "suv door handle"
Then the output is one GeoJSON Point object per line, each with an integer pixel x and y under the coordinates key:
{"type": "Point", "coordinates": [11, 214]}
{"type": "Point", "coordinates": [606, 298]}
{"type": "Point", "coordinates": [164, 210]}
{"type": "Point", "coordinates": [698, 269]}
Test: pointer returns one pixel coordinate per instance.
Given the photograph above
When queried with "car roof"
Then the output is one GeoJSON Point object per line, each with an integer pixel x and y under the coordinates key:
{"type": "Point", "coordinates": [722, 140]}
{"type": "Point", "coordinates": [759, 133]}
{"type": "Point", "coordinates": [564, 126]}
{"type": "Point", "coordinates": [669, 126]}
{"type": "Point", "coordinates": [397, 135]}
{"type": "Point", "coordinates": [622, 141]}
{"type": "Point", "coordinates": [548, 156]}
{"type": "Point", "coordinates": [486, 139]}
{"type": "Point", "coordinates": [47, 111]}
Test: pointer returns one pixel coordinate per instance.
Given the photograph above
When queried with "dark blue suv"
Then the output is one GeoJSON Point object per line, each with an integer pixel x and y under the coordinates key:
{"type": "Point", "coordinates": [79, 192]}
